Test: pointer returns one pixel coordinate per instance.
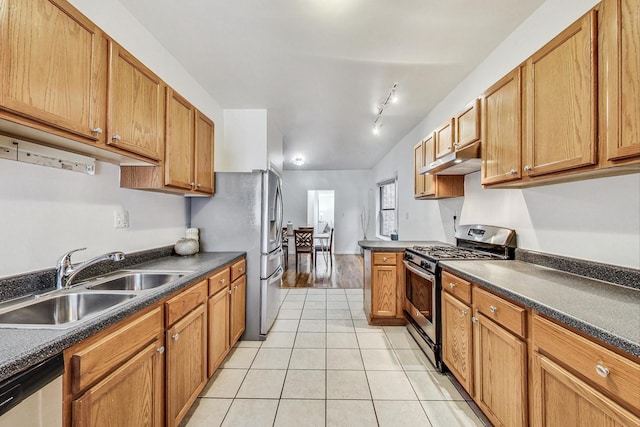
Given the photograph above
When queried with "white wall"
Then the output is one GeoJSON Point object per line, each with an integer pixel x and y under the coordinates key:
{"type": "Point", "coordinates": [352, 191]}
{"type": "Point", "coordinates": [245, 141]}
{"type": "Point", "coordinates": [595, 219]}
{"type": "Point", "coordinates": [45, 212]}
{"type": "Point", "coordinates": [274, 144]}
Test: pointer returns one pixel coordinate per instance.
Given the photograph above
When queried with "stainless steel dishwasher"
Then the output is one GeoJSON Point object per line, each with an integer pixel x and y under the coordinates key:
{"type": "Point", "coordinates": [33, 397]}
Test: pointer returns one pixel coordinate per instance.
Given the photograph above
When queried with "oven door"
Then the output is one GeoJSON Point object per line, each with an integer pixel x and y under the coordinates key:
{"type": "Point", "coordinates": [420, 293]}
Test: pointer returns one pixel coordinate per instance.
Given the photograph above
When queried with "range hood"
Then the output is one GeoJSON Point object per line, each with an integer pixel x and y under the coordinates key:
{"type": "Point", "coordinates": [461, 162]}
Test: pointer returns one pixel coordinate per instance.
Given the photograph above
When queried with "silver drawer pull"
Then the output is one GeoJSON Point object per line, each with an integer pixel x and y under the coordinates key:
{"type": "Point", "coordinates": [463, 312]}
{"type": "Point", "coordinates": [175, 337]}
{"type": "Point", "coordinates": [492, 309]}
{"type": "Point", "coordinates": [602, 371]}
{"type": "Point", "coordinates": [116, 137]}
{"type": "Point", "coordinates": [474, 319]}
{"type": "Point", "coordinates": [222, 281]}
{"type": "Point", "coordinates": [241, 269]}
{"type": "Point", "coordinates": [160, 350]}
{"type": "Point", "coordinates": [452, 285]}
{"type": "Point", "coordinates": [96, 130]}
{"type": "Point", "coordinates": [384, 259]}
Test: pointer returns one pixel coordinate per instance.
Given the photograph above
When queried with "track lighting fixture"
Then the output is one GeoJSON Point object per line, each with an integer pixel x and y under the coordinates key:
{"type": "Point", "coordinates": [391, 98]}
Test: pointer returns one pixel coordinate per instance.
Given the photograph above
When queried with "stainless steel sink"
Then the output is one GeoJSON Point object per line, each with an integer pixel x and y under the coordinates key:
{"type": "Point", "coordinates": [63, 309]}
{"type": "Point", "coordinates": [136, 281]}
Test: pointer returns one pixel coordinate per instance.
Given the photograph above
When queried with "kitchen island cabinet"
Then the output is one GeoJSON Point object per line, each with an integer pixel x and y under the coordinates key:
{"type": "Point", "coordinates": [383, 287]}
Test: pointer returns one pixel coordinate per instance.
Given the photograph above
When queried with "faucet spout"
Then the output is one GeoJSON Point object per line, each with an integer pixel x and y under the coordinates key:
{"type": "Point", "coordinates": [66, 271]}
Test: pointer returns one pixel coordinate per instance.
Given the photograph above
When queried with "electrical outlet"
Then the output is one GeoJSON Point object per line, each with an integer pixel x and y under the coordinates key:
{"type": "Point", "coordinates": [121, 218]}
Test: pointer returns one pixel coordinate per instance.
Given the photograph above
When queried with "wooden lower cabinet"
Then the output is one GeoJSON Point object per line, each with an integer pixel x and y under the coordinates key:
{"type": "Point", "coordinates": [384, 288]}
{"type": "Point", "coordinates": [456, 340]}
{"type": "Point", "coordinates": [238, 301]}
{"type": "Point", "coordinates": [563, 399]}
{"type": "Point", "coordinates": [186, 363]}
{"type": "Point", "coordinates": [500, 373]}
{"type": "Point", "coordinates": [130, 396]}
{"type": "Point", "coordinates": [218, 319]}
{"type": "Point", "coordinates": [384, 291]}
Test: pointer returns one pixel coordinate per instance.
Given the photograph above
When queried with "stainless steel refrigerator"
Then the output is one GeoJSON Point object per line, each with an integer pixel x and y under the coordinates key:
{"type": "Point", "coordinates": [245, 214]}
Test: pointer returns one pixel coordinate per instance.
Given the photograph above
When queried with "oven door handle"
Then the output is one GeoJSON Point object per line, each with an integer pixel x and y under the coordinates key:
{"type": "Point", "coordinates": [424, 274]}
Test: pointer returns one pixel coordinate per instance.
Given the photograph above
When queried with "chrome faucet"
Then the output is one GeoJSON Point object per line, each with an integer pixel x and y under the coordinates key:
{"type": "Point", "coordinates": [66, 271]}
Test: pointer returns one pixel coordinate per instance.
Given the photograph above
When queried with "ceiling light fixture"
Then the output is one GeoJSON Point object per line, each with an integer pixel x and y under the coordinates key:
{"type": "Point", "coordinates": [298, 160]}
{"type": "Point", "coordinates": [391, 98]}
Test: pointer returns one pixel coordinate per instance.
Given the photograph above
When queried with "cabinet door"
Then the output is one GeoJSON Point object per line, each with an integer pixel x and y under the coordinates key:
{"type": "Point", "coordinates": [621, 88]}
{"type": "Point", "coordinates": [179, 139]}
{"type": "Point", "coordinates": [131, 396]}
{"type": "Point", "coordinates": [384, 290]}
{"type": "Point", "coordinates": [418, 162]}
{"type": "Point", "coordinates": [186, 364]}
{"type": "Point", "coordinates": [562, 399]}
{"type": "Point", "coordinates": [500, 374]}
{"type": "Point", "coordinates": [502, 130]}
{"type": "Point", "coordinates": [218, 318]}
{"type": "Point", "coordinates": [561, 107]}
{"type": "Point", "coordinates": [204, 153]}
{"type": "Point", "coordinates": [467, 130]}
{"type": "Point", "coordinates": [135, 109]}
{"type": "Point", "coordinates": [52, 65]}
{"type": "Point", "coordinates": [429, 151]}
{"type": "Point", "coordinates": [456, 340]}
{"type": "Point", "coordinates": [238, 297]}
{"type": "Point", "coordinates": [444, 139]}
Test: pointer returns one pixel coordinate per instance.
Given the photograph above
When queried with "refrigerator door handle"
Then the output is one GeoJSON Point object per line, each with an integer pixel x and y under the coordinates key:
{"type": "Point", "coordinates": [280, 216]}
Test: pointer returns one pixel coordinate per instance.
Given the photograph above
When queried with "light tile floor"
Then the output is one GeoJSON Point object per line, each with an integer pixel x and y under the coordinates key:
{"type": "Point", "coordinates": [323, 365]}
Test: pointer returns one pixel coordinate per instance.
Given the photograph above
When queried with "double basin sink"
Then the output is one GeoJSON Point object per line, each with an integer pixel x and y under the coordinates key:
{"type": "Point", "coordinates": [64, 308]}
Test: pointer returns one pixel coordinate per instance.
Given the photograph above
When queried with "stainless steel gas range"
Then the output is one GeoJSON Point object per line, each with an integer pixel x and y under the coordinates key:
{"type": "Point", "coordinates": [423, 282]}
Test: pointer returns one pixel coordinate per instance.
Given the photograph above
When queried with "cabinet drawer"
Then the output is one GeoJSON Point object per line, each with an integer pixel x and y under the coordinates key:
{"type": "Point", "coordinates": [219, 280]}
{"type": "Point", "coordinates": [500, 311]}
{"type": "Point", "coordinates": [384, 258]}
{"type": "Point", "coordinates": [238, 269]}
{"type": "Point", "coordinates": [91, 362]}
{"type": "Point", "coordinates": [183, 303]}
{"type": "Point", "coordinates": [589, 360]}
{"type": "Point", "coordinates": [456, 286]}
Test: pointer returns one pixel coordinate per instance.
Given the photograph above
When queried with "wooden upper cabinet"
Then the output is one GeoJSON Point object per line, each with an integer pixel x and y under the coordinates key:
{"type": "Point", "coordinates": [52, 64]}
{"type": "Point", "coordinates": [444, 139]}
{"type": "Point", "coordinates": [418, 162]}
{"type": "Point", "coordinates": [467, 125]}
{"type": "Point", "coordinates": [502, 130]}
{"type": "Point", "coordinates": [620, 47]}
{"type": "Point", "coordinates": [136, 102]}
{"type": "Point", "coordinates": [179, 142]}
{"type": "Point", "coordinates": [561, 106]}
{"type": "Point", "coordinates": [429, 152]}
{"type": "Point", "coordinates": [204, 137]}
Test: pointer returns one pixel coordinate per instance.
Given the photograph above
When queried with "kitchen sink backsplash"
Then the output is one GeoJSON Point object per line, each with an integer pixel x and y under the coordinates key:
{"type": "Point", "coordinates": [42, 280]}
{"type": "Point", "coordinates": [624, 276]}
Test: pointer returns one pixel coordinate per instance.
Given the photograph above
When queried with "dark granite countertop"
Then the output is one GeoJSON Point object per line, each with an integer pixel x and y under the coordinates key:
{"type": "Point", "coordinates": [603, 310]}
{"type": "Point", "coordinates": [24, 347]}
{"type": "Point", "coordinates": [395, 245]}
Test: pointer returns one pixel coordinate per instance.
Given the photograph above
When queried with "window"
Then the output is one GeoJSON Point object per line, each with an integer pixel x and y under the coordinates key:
{"type": "Point", "coordinates": [387, 202]}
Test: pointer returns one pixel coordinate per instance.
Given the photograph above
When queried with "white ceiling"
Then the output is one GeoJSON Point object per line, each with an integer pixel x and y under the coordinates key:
{"type": "Point", "coordinates": [320, 67]}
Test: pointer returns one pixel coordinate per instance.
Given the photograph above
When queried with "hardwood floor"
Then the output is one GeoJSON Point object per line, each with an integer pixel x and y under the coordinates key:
{"type": "Point", "coordinates": [346, 273]}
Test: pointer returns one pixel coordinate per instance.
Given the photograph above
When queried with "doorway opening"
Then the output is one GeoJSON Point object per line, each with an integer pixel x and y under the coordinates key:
{"type": "Point", "coordinates": [320, 210]}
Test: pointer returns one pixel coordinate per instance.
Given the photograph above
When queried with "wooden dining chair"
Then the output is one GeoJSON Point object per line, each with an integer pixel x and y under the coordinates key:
{"type": "Point", "coordinates": [304, 243]}
{"type": "Point", "coordinates": [319, 248]}
{"type": "Point", "coordinates": [285, 247]}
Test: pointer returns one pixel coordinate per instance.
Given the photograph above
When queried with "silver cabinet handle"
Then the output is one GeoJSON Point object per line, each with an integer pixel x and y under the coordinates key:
{"type": "Point", "coordinates": [192, 184]}
{"type": "Point", "coordinates": [602, 371]}
{"type": "Point", "coordinates": [160, 350]}
{"type": "Point", "coordinates": [229, 291]}
{"type": "Point", "coordinates": [222, 281]}
{"type": "Point", "coordinates": [96, 130]}
{"type": "Point", "coordinates": [492, 309]}
{"type": "Point", "coordinates": [199, 185]}
{"type": "Point", "coordinates": [116, 137]}
{"type": "Point", "coordinates": [474, 319]}
{"type": "Point", "coordinates": [452, 285]}
{"type": "Point", "coordinates": [235, 288]}
{"type": "Point", "coordinates": [384, 259]}
{"type": "Point", "coordinates": [175, 337]}
{"type": "Point", "coordinates": [527, 168]}
{"type": "Point", "coordinates": [513, 172]}
{"type": "Point", "coordinates": [463, 312]}
{"type": "Point", "coordinates": [240, 270]}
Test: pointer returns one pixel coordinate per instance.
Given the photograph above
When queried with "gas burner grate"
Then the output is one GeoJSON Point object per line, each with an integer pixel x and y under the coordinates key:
{"type": "Point", "coordinates": [450, 252]}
